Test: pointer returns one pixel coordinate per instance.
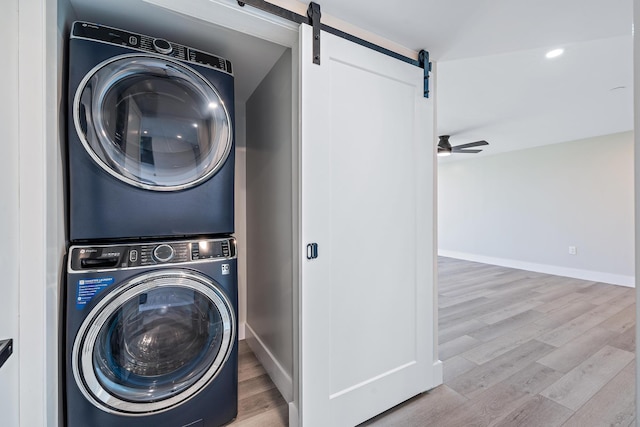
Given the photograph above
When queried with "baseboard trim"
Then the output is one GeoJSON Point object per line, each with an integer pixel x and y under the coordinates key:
{"type": "Point", "coordinates": [293, 415]}
{"type": "Point", "coordinates": [438, 373]}
{"type": "Point", "coordinates": [276, 371]}
{"type": "Point", "coordinates": [596, 276]}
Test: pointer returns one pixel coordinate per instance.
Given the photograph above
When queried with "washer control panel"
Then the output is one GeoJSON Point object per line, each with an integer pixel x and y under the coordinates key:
{"type": "Point", "coordinates": [107, 257]}
{"type": "Point", "coordinates": [102, 33]}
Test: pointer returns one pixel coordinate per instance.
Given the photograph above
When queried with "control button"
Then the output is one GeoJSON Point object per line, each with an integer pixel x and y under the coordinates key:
{"type": "Point", "coordinates": [133, 40]}
{"type": "Point", "coordinates": [133, 255]}
{"type": "Point", "coordinates": [163, 253]}
{"type": "Point", "coordinates": [162, 46]}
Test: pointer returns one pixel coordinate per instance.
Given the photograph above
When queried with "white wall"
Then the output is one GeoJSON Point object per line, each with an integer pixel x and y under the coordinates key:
{"type": "Point", "coordinates": [524, 209]}
{"type": "Point", "coordinates": [9, 290]}
{"type": "Point", "coordinates": [240, 212]}
{"type": "Point", "coordinates": [270, 224]}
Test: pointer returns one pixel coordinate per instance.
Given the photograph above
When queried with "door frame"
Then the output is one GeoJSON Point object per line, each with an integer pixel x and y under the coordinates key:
{"type": "Point", "coordinates": [9, 319]}
{"type": "Point", "coordinates": [636, 102]}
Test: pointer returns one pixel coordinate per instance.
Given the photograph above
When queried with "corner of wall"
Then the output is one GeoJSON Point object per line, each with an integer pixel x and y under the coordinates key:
{"type": "Point", "coordinates": [276, 371]}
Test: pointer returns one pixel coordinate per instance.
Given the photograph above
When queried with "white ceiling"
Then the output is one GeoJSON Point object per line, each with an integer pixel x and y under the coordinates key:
{"type": "Point", "coordinates": [493, 81]}
{"type": "Point", "coordinates": [521, 99]}
{"type": "Point", "coordinates": [454, 29]}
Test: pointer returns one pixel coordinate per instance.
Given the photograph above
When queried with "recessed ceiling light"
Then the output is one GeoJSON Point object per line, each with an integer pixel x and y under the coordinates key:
{"type": "Point", "coordinates": [554, 53]}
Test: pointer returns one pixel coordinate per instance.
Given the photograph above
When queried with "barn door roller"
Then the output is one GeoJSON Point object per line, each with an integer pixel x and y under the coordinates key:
{"type": "Point", "coordinates": [425, 64]}
{"type": "Point", "coordinates": [313, 18]}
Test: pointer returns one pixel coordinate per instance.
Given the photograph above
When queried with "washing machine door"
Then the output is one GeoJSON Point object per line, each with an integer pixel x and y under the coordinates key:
{"type": "Point", "coordinates": [153, 343]}
{"type": "Point", "coordinates": [152, 122]}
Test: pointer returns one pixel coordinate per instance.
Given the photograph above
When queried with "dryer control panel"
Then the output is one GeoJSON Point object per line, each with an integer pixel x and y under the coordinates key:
{"type": "Point", "coordinates": [109, 257]}
{"type": "Point", "coordinates": [102, 33]}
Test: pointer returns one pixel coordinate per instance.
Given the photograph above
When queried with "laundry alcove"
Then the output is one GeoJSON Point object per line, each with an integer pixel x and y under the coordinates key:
{"type": "Point", "coordinates": [341, 158]}
{"type": "Point", "coordinates": [253, 59]}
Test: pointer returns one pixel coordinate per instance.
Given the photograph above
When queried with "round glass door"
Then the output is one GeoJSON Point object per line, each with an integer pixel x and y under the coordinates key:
{"type": "Point", "coordinates": [152, 122]}
{"type": "Point", "coordinates": [154, 343]}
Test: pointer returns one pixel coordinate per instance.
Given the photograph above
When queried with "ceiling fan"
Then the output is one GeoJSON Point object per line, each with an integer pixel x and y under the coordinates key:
{"type": "Point", "coordinates": [445, 148]}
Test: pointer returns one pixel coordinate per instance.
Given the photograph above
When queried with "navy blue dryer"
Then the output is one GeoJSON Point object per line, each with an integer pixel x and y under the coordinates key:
{"type": "Point", "coordinates": [150, 145]}
{"type": "Point", "coordinates": [150, 334]}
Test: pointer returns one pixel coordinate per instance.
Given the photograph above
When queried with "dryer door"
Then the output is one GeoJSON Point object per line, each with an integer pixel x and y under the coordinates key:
{"type": "Point", "coordinates": [152, 122]}
{"type": "Point", "coordinates": [153, 343]}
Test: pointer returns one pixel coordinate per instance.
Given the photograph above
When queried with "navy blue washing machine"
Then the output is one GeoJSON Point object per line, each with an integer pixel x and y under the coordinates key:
{"type": "Point", "coordinates": [150, 137]}
{"type": "Point", "coordinates": [151, 334]}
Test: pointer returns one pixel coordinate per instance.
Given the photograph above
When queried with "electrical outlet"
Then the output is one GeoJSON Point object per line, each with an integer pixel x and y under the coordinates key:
{"type": "Point", "coordinates": [573, 250]}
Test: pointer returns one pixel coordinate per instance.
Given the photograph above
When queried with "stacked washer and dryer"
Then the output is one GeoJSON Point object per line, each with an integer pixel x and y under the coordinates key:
{"type": "Point", "coordinates": [151, 286]}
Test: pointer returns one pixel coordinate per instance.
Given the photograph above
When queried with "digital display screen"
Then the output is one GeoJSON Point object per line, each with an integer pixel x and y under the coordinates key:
{"type": "Point", "coordinates": [209, 249]}
{"type": "Point", "coordinates": [206, 59]}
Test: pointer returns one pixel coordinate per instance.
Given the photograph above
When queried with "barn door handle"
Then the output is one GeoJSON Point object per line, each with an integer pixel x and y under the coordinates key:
{"type": "Point", "coordinates": [312, 251]}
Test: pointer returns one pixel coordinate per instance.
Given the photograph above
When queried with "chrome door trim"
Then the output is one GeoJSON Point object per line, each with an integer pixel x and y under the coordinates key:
{"type": "Point", "coordinates": [84, 342]}
{"type": "Point", "coordinates": [124, 178]}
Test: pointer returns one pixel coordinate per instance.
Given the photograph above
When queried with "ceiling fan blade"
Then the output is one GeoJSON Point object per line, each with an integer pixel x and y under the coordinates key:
{"type": "Point", "coordinates": [472, 144]}
{"type": "Point", "coordinates": [456, 150]}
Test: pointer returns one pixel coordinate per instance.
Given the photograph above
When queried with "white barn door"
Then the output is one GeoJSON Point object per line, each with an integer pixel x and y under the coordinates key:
{"type": "Point", "coordinates": [367, 302]}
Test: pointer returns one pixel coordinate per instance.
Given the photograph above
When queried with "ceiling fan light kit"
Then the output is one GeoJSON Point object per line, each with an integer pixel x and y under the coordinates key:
{"type": "Point", "coordinates": [445, 148]}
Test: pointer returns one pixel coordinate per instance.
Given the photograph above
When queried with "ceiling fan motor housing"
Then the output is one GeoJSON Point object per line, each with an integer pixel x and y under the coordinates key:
{"type": "Point", "coordinates": [444, 143]}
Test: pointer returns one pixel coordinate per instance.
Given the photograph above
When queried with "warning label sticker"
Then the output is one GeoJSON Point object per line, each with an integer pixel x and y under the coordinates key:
{"type": "Point", "coordinates": [88, 288]}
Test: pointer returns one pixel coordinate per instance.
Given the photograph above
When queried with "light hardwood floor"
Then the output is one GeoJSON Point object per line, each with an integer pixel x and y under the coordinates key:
{"type": "Point", "coordinates": [259, 402]}
{"type": "Point", "coordinates": [519, 349]}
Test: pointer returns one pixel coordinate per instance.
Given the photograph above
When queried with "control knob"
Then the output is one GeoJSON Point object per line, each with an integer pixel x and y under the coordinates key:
{"type": "Point", "coordinates": [162, 46]}
{"type": "Point", "coordinates": [163, 253]}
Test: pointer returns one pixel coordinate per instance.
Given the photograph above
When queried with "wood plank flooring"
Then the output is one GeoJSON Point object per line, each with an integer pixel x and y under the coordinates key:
{"type": "Point", "coordinates": [259, 402]}
{"type": "Point", "coordinates": [519, 349]}
{"type": "Point", "coordinates": [527, 349]}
